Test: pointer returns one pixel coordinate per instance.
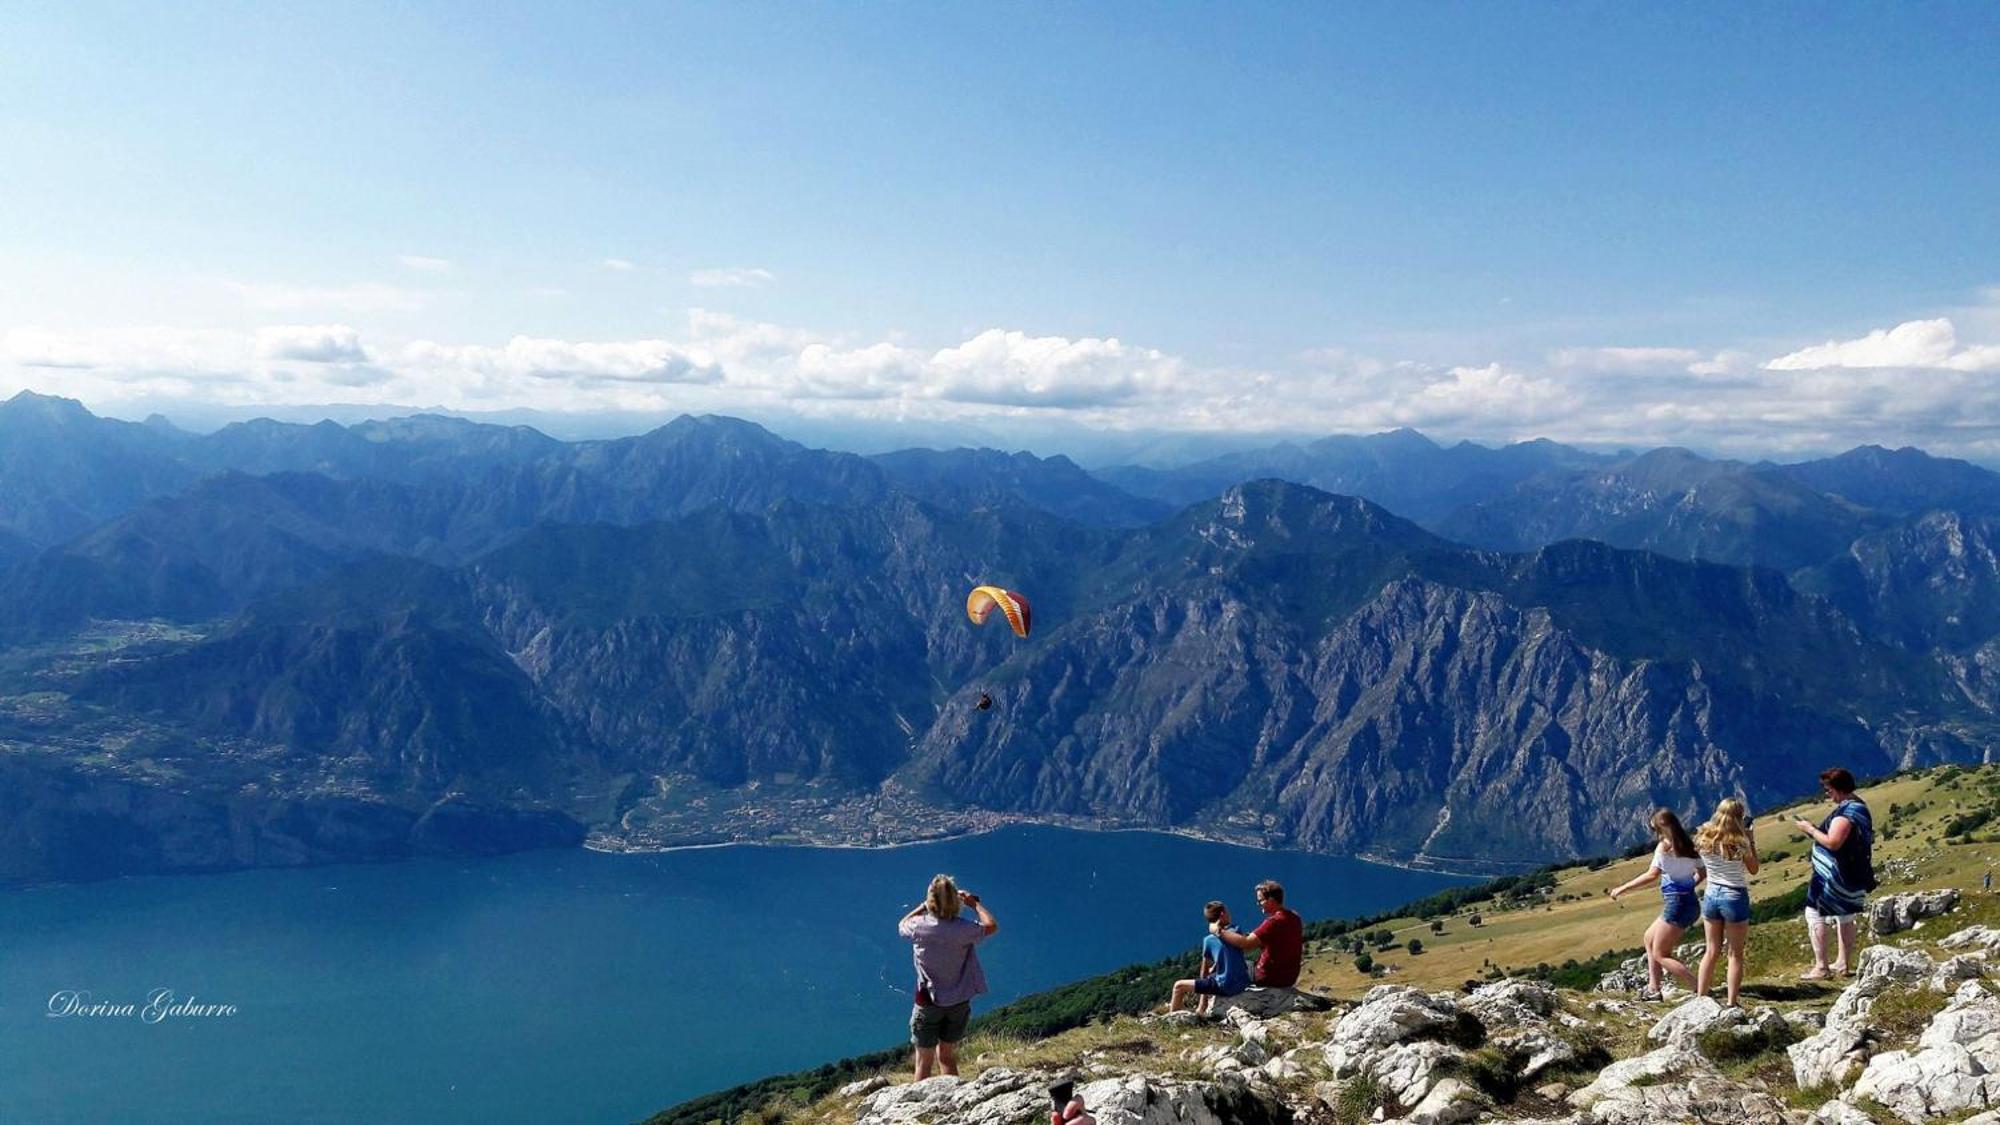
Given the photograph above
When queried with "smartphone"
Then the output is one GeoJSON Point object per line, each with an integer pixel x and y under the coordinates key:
{"type": "Point", "coordinates": [1061, 1093]}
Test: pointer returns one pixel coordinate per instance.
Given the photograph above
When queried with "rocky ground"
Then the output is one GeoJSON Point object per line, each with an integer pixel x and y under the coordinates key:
{"type": "Point", "coordinates": [1915, 1036]}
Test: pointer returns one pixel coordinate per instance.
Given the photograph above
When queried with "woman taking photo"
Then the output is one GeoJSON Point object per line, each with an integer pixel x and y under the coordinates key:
{"type": "Point", "coordinates": [1729, 852]}
{"type": "Point", "coordinates": [1678, 869]}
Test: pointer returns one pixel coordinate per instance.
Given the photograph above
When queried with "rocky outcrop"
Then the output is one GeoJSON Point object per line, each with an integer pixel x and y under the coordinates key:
{"type": "Point", "coordinates": [1263, 1003]}
{"type": "Point", "coordinates": [1002, 1095]}
{"type": "Point", "coordinates": [1895, 913]}
{"type": "Point", "coordinates": [1686, 1026]}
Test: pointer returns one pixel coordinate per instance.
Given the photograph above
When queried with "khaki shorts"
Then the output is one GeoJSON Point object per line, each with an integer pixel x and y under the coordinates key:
{"type": "Point", "coordinates": [931, 1025]}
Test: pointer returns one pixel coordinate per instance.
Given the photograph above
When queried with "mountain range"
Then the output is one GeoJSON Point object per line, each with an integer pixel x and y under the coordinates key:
{"type": "Point", "coordinates": [283, 643]}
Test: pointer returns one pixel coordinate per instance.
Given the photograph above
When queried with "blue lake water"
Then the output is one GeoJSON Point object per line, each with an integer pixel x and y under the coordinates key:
{"type": "Point", "coordinates": [567, 986]}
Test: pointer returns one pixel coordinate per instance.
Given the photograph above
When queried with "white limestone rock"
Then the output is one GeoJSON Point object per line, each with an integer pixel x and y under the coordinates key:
{"type": "Point", "coordinates": [1974, 939]}
{"type": "Point", "coordinates": [1508, 1003]}
{"type": "Point", "coordinates": [1685, 1025]}
{"type": "Point", "coordinates": [1449, 1102]}
{"type": "Point", "coordinates": [1389, 1014]}
{"type": "Point", "coordinates": [1532, 1050]}
{"type": "Point", "coordinates": [1653, 1067]}
{"type": "Point", "coordinates": [1932, 1082]}
{"type": "Point", "coordinates": [862, 1088]}
{"type": "Point", "coordinates": [1407, 1071]}
{"type": "Point", "coordinates": [1705, 1097]}
{"type": "Point", "coordinates": [1895, 913]}
{"type": "Point", "coordinates": [1833, 1056]}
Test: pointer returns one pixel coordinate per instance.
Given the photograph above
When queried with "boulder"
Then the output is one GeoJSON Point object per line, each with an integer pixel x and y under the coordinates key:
{"type": "Point", "coordinates": [1511, 1002]}
{"type": "Point", "coordinates": [1833, 1056]}
{"type": "Point", "coordinates": [1936, 1081]}
{"type": "Point", "coordinates": [995, 1095]}
{"type": "Point", "coordinates": [1264, 1003]}
{"type": "Point", "coordinates": [1954, 971]}
{"type": "Point", "coordinates": [1642, 1070]}
{"type": "Point", "coordinates": [1450, 1102]}
{"type": "Point", "coordinates": [1389, 1014]}
{"type": "Point", "coordinates": [1146, 1100]}
{"type": "Point", "coordinates": [1895, 913]}
{"type": "Point", "coordinates": [1839, 1113]}
{"type": "Point", "coordinates": [1531, 1050]}
{"type": "Point", "coordinates": [1974, 939]}
{"type": "Point", "coordinates": [1705, 1097]}
{"type": "Point", "coordinates": [1971, 1020]}
{"type": "Point", "coordinates": [1881, 967]}
{"type": "Point", "coordinates": [1685, 1025]}
{"type": "Point", "coordinates": [1407, 1071]}
{"type": "Point", "coordinates": [862, 1088]}
{"type": "Point", "coordinates": [1008, 1095]}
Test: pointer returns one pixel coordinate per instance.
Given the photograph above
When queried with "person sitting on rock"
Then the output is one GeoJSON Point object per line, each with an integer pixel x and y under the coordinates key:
{"type": "Point", "coordinates": [1728, 849]}
{"type": "Point", "coordinates": [1223, 970]}
{"type": "Point", "coordinates": [1843, 872]}
{"type": "Point", "coordinates": [948, 971]}
{"type": "Point", "coordinates": [1279, 940]}
{"type": "Point", "coordinates": [1679, 870]}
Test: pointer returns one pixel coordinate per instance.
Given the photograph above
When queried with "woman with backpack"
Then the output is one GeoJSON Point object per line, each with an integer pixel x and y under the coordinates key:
{"type": "Point", "coordinates": [1843, 872]}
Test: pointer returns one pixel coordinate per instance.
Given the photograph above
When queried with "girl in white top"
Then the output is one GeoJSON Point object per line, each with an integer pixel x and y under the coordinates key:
{"type": "Point", "coordinates": [1677, 867]}
{"type": "Point", "coordinates": [1729, 852]}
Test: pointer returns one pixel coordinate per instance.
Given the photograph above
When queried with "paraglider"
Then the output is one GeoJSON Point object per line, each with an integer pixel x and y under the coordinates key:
{"type": "Point", "coordinates": [981, 603]}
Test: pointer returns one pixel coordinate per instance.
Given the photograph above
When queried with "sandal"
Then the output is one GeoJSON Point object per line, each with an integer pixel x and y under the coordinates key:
{"type": "Point", "coordinates": [1818, 972]}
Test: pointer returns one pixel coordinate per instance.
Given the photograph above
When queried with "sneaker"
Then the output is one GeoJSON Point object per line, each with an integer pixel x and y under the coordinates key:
{"type": "Point", "coordinates": [1818, 972]}
{"type": "Point", "coordinates": [1650, 995]}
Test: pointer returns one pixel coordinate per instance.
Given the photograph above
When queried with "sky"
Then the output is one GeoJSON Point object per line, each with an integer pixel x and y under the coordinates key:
{"type": "Point", "coordinates": [1748, 229]}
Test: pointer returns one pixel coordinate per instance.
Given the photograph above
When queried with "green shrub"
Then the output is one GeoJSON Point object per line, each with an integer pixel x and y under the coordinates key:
{"type": "Point", "coordinates": [1357, 1101]}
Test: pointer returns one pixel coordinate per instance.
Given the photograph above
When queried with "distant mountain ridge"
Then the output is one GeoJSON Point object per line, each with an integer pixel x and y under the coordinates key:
{"type": "Point", "coordinates": [1280, 665]}
{"type": "Point", "coordinates": [313, 642]}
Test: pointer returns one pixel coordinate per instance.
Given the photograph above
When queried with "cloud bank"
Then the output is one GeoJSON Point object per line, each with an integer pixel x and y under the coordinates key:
{"type": "Point", "coordinates": [1917, 382]}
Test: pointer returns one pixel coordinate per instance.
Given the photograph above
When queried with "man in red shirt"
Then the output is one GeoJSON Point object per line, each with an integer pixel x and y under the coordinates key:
{"type": "Point", "coordinates": [1281, 938]}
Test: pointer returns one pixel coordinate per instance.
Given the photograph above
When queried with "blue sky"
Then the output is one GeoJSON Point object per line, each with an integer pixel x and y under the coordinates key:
{"type": "Point", "coordinates": [1486, 220]}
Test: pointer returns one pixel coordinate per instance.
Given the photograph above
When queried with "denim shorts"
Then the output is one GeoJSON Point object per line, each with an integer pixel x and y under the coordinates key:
{"type": "Point", "coordinates": [1726, 904]}
{"type": "Point", "coordinates": [1678, 906]}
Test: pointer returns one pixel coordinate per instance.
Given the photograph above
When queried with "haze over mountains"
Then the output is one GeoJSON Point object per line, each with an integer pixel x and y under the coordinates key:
{"type": "Point", "coordinates": [284, 643]}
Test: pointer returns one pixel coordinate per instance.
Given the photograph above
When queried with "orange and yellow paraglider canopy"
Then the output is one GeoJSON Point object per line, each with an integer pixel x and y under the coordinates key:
{"type": "Point", "coordinates": [980, 604]}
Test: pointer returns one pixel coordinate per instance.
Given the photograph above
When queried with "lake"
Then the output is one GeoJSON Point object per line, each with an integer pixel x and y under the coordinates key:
{"type": "Point", "coordinates": [568, 985]}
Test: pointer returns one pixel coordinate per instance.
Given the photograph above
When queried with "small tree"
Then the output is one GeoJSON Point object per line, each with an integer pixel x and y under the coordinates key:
{"type": "Point", "coordinates": [1474, 920]}
{"type": "Point", "coordinates": [1364, 963]}
{"type": "Point", "coordinates": [1415, 947]}
{"type": "Point", "coordinates": [1437, 925]}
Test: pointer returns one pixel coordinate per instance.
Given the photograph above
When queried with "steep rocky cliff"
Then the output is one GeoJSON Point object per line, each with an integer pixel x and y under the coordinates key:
{"type": "Point", "coordinates": [1280, 665]}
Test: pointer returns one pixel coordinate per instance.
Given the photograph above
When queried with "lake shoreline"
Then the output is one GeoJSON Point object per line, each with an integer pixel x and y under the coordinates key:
{"type": "Point", "coordinates": [1198, 835]}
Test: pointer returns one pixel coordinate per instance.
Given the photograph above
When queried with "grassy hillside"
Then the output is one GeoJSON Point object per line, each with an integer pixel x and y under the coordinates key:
{"type": "Point", "coordinates": [1935, 828]}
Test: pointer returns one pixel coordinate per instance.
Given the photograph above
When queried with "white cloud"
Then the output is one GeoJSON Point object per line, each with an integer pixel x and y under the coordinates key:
{"type": "Point", "coordinates": [736, 277]}
{"type": "Point", "coordinates": [1004, 367]}
{"type": "Point", "coordinates": [423, 264]}
{"type": "Point", "coordinates": [1627, 359]}
{"type": "Point", "coordinates": [359, 297]}
{"type": "Point", "coordinates": [524, 357]}
{"type": "Point", "coordinates": [1913, 343]}
{"type": "Point", "coordinates": [620, 265]}
{"type": "Point", "coordinates": [312, 343]}
{"type": "Point", "coordinates": [1919, 385]}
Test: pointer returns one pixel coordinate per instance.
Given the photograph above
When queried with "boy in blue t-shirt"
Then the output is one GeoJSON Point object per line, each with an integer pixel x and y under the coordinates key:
{"type": "Point", "coordinates": [1223, 970]}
